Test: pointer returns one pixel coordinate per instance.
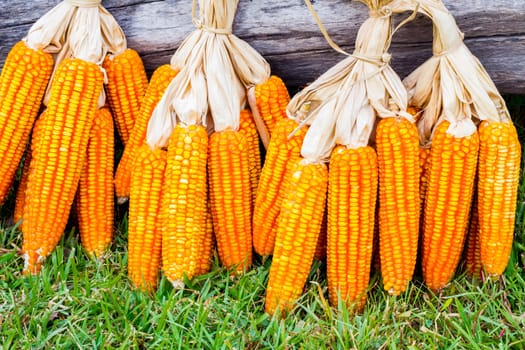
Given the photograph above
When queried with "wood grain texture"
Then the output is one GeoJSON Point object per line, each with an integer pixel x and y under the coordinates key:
{"type": "Point", "coordinates": [285, 33]}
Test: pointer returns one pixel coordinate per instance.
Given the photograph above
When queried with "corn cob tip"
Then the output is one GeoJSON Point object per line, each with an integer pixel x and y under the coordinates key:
{"type": "Point", "coordinates": [122, 200]}
{"type": "Point", "coordinates": [32, 263]}
{"type": "Point", "coordinates": [264, 258]}
{"type": "Point", "coordinates": [393, 292]}
{"type": "Point", "coordinates": [98, 255]}
{"type": "Point", "coordinates": [178, 284]}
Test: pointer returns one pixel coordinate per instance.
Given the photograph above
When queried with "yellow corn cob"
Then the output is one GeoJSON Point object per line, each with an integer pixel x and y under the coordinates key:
{"type": "Point", "coordinates": [272, 98]}
{"type": "Point", "coordinates": [144, 231]}
{"type": "Point", "coordinates": [95, 194]}
{"type": "Point", "coordinates": [472, 253]}
{"type": "Point", "coordinates": [499, 168]}
{"type": "Point", "coordinates": [352, 195]}
{"type": "Point", "coordinates": [447, 204]}
{"type": "Point", "coordinates": [247, 126]}
{"type": "Point", "coordinates": [21, 190]}
{"type": "Point", "coordinates": [184, 203]}
{"type": "Point", "coordinates": [424, 164]}
{"type": "Point", "coordinates": [376, 256]}
{"type": "Point", "coordinates": [282, 152]}
{"type": "Point", "coordinates": [398, 160]}
{"type": "Point", "coordinates": [297, 234]}
{"type": "Point", "coordinates": [230, 197]}
{"type": "Point", "coordinates": [320, 247]}
{"type": "Point", "coordinates": [424, 167]}
{"type": "Point", "coordinates": [126, 85]}
{"type": "Point", "coordinates": [23, 82]}
{"type": "Point", "coordinates": [22, 186]}
{"type": "Point", "coordinates": [58, 158]}
{"type": "Point", "coordinates": [206, 249]}
{"type": "Point", "coordinates": [158, 84]}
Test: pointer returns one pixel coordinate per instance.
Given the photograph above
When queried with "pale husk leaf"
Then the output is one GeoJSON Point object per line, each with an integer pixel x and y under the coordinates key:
{"type": "Point", "coordinates": [49, 32]}
{"type": "Point", "coordinates": [227, 94]}
{"type": "Point", "coordinates": [355, 128]}
{"type": "Point", "coordinates": [320, 138]}
{"type": "Point", "coordinates": [114, 38]}
{"type": "Point", "coordinates": [85, 37]}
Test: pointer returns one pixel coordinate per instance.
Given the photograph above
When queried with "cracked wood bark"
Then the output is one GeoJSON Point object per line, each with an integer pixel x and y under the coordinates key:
{"type": "Point", "coordinates": [285, 33]}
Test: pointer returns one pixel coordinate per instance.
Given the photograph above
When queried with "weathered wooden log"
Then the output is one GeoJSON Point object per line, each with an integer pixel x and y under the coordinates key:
{"type": "Point", "coordinates": [285, 33]}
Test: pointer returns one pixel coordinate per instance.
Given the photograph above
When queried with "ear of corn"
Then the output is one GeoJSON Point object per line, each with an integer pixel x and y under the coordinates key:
{"type": "Point", "coordinates": [424, 170]}
{"type": "Point", "coordinates": [58, 158]}
{"type": "Point", "coordinates": [248, 127]}
{"type": "Point", "coordinates": [499, 167]}
{"type": "Point", "coordinates": [184, 203]}
{"type": "Point", "coordinates": [282, 152]}
{"type": "Point", "coordinates": [23, 82]}
{"type": "Point", "coordinates": [297, 234]}
{"type": "Point", "coordinates": [144, 227]}
{"type": "Point", "coordinates": [22, 186]}
{"type": "Point", "coordinates": [207, 247]}
{"type": "Point", "coordinates": [320, 247]}
{"type": "Point", "coordinates": [95, 193]}
{"type": "Point", "coordinates": [424, 164]}
{"type": "Point", "coordinates": [158, 84]}
{"type": "Point", "coordinates": [398, 159]}
{"type": "Point", "coordinates": [230, 197]}
{"type": "Point", "coordinates": [376, 256]}
{"type": "Point", "coordinates": [127, 83]}
{"type": "Point", "coordinates": [21, 190]}
{"type": "Point", "coordinates": [472, 251]}
{"type": "Point", "coordinates": [271, 98]}
{"type": "Point", "coordinates": [352, 194]}
{"type": "Point", "coordinates": [447, 204]}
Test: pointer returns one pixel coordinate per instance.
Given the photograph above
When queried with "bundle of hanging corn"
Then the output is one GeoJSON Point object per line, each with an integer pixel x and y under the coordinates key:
{"type": "Point", "coordinates": [73, 144]}
{"type": "Point", "coordinates": [343, 108]}
{"type": "Point", "coordinates": [267, 101]}
{"type": "Point", "coordinates": [465, 122]}
{"type": "Point", "coordinates": [201, 138]}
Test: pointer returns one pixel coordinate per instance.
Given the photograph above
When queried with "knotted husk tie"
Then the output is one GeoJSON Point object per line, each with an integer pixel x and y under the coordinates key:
{"type": "Point", "coordinates": [215, 70]}
{"type": "Point", "coordinates": [81, 29]}
{"type": "Point", "coordinates": [342, 104]}
{"type": "Point", "coordinates": [84, 3]}
{"type": "Point", "coordinates": [452, 85]}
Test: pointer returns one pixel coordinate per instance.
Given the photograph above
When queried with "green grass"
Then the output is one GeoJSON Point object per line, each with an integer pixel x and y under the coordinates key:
{"type": "Point", "coordinates": [81, 303]}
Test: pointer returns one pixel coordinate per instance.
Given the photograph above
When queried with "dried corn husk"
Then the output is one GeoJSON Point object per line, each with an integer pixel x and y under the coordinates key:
{"type": "Point", "coordinates": [215, 70]}
{"type": "Point", "coordinates": [83, 28]}
{"type": "Point", "coordinates": [342, 104]}
{"type": "Point", "coordinates": [452, 85]}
